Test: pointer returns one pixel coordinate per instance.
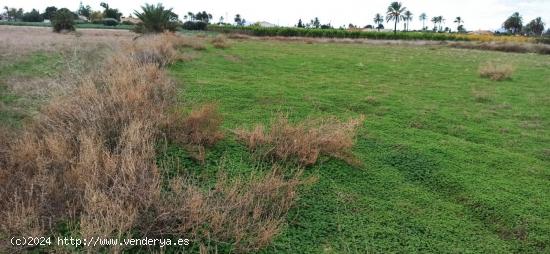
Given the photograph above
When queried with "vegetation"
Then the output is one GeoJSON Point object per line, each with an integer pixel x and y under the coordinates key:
{"type": "Point", "coordinates": [514, 23]}
{"type": "Point", "coordinates": [110, 12]}
{"type": "Point", "coordinates": [33, 16]}
{"type": "Point", "coordinates": [274, 145]}
{"type": "Point", "coordinates": [496, 71]}
{"type": "Point", "coordinates": [303, 143]}
{"type": "Point", "coordinates": [395, 12]}
{"type": "Point", "coordinates": [379, 20]}
{"type": "Point", "coordinates": [357, 34]}
{"type": "Point", "coordinates": [156, 19]}
{"type": "Point", "coordinates": [447, 154]}
{"type": "Point", "coordinates": [63, 20]}
{"type": "Point", "coordinates": [535, 27]}
{"type": "Point", "coordinates": [102, 140]}
{"type": "Point", "coordinates": [423, 17]}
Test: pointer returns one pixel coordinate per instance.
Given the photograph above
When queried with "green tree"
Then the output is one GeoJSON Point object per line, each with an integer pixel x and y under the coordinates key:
{"type": "Point", "coordinates": [49, 12]}
{"type": "Point", "coordinates": [156, 19]}
{"type": "Point", "coordinates": [459, 21]}
{"type": "Point", "coordinates": [203, 16]}
{"type": "Point", "coordinates": [110, 12]}
{"type": "Point", "coordinates": [316, 23]}
{"type": "Point", "coordinates": [514, 23]}
{"type": "Point", "coordinates": [438, 21]}
{"type": "Point", "coordinates": [85, 11]}
{"type": "Point", "coordinates": [32, 16]}
{"type": "Point", "coordinates": [14, 14]}
{"type": "Point", "coordinates": [395, 13]}
{"type": "Point", "coordinates": [423, 17]}
{"type": "Point", "coordinates": [378, 20]}
{"type": "Point", "coordinates": [536, 26]}
{"type": "Point", "coordinates": [408, 16]}
{"type": "Point", "coordinates": [300, 24]}
{"type": "Point", "coordinates": [63, 20]}
{"type": "Point", "coordinates": [239, 20]}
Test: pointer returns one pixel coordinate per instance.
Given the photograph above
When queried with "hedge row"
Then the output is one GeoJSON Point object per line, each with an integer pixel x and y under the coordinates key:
{"type": "Point", "coordinates": [336, 33]}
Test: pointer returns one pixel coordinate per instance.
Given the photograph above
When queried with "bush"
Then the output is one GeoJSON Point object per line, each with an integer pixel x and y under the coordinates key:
{"type": "Point", "coordinates": [303, 143]}
{"type": "Point", "coordinates": [220, 42]}
{"type": "Point", "coordinates": [496, 71]}
{"type": "Point", "coordinates": [198, 130]}
{"type": "Point", "coordinates": [63, 20]}
{"type": "Point", "coordinates": [156, 19]}
{"type": "Point", "coordinates": [109, 22]}
{"type": "Point", "coordinates": [162, 49]}
{"type": "Point", "coordinates": [194, 25]}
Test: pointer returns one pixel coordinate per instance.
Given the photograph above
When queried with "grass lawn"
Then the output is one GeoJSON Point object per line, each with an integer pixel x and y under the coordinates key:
{"type": "Point", "coordinates": [452, 162]}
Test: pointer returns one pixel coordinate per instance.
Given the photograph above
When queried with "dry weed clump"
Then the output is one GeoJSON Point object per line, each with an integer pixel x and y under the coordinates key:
{"type": "Point", "coordinates": [161, 49]}
{"type": "Point", "coordinates": [89, 159]}
{"type": "Point", "coordinates": [220, 42]}
{"type": "Point", "coordinates": [196, 131]}
{"type": "Point", "coordinates": [496, 71]}
{"type": "Point", "coordinates": [504, 47]}
{"type": "Point", "coordinates": [246, 211]}
{"type": "Point", "coordinates": [91, 154]}
{"type": "Point", "coordinates": [304, 142]}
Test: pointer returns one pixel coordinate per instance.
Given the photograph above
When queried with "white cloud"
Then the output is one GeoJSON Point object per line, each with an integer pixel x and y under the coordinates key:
{"type": "Point", "coordinates": [478, 14]}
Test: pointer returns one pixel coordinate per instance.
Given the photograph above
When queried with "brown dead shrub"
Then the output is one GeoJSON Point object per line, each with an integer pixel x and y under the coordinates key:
{"type": "Point", "coordinates": [304, 142]}
{"type": "Point", "coordinates": [161, 49]}
{"type": "Point", "coordinates": [196, 131]}
{"type": "Point", "coordinates": [504, 47]}
{"type": "Point", "coordinates": [245, 211]}
{"type": "Point", "coordinates": [496, 71]}
{"type": "Point", "coordinates": [220, 42]}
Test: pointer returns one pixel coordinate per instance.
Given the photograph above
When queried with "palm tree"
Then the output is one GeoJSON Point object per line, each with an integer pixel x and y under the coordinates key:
{"type": "Point", "coordinates": [438, 20]}
{"type": "Point", "coordinates": [156, 19]}
{"type": "Point", "coordinates": [458, 21]}
{"type": "Point", "coordinates": [378, 19]}
{"type": "Point", "coordinates": [408, 16]}
{"type": "Point", "coordinates": [435, 20]}
{"type": "Point", "coordinates": [423, 17]}
{"type": "Point", "coordinates": [395, 13]}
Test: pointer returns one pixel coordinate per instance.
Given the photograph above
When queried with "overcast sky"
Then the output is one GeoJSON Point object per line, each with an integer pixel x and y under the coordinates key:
{"type": "Point", "coordinates": [477, 14]}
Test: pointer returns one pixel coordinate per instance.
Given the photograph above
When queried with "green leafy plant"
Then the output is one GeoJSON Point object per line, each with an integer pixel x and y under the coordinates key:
{"type": "Point", "coordinates": [156, 19]}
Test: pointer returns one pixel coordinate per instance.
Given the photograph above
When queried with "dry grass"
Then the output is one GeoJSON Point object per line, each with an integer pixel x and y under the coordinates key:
{"type": "Point", "coordinates": [198, 130]}
{"type": "Point", "coordinates": [220, 42]}
{"type": "Point", "coordinates": [515, 47]}
{"type": "Point", "coordinates": [16, 41]}
{"type": "Point", "coordinates": [161, 49]}
{"type": "Point", "coordinates": [246, 211]}
{"type": "Point", "coordinates": [496, 71]}
{"type": "Point", "coordinates": [88, 158]}
{"type": "Point", "coordinates": [304, 142]}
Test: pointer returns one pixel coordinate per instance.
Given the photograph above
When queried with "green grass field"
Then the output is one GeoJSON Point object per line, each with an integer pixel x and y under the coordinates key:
{"type": "Point", "coordinates": [452, 162]}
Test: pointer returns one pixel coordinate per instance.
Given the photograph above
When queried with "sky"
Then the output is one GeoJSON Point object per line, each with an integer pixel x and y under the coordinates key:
{"type": "Point", "coordinates": [477, 14]}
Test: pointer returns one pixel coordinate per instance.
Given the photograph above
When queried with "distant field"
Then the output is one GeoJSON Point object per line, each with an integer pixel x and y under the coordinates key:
{"type": "Point", "coordinates": [453, 162]}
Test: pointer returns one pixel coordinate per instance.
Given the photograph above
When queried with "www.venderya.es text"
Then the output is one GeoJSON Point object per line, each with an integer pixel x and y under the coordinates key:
{"type": "Point", "coordinates": [97, 241]}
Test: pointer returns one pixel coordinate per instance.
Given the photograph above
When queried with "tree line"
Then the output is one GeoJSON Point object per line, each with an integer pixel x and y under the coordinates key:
{"type": "Point", "coordinates": [396, 13]}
